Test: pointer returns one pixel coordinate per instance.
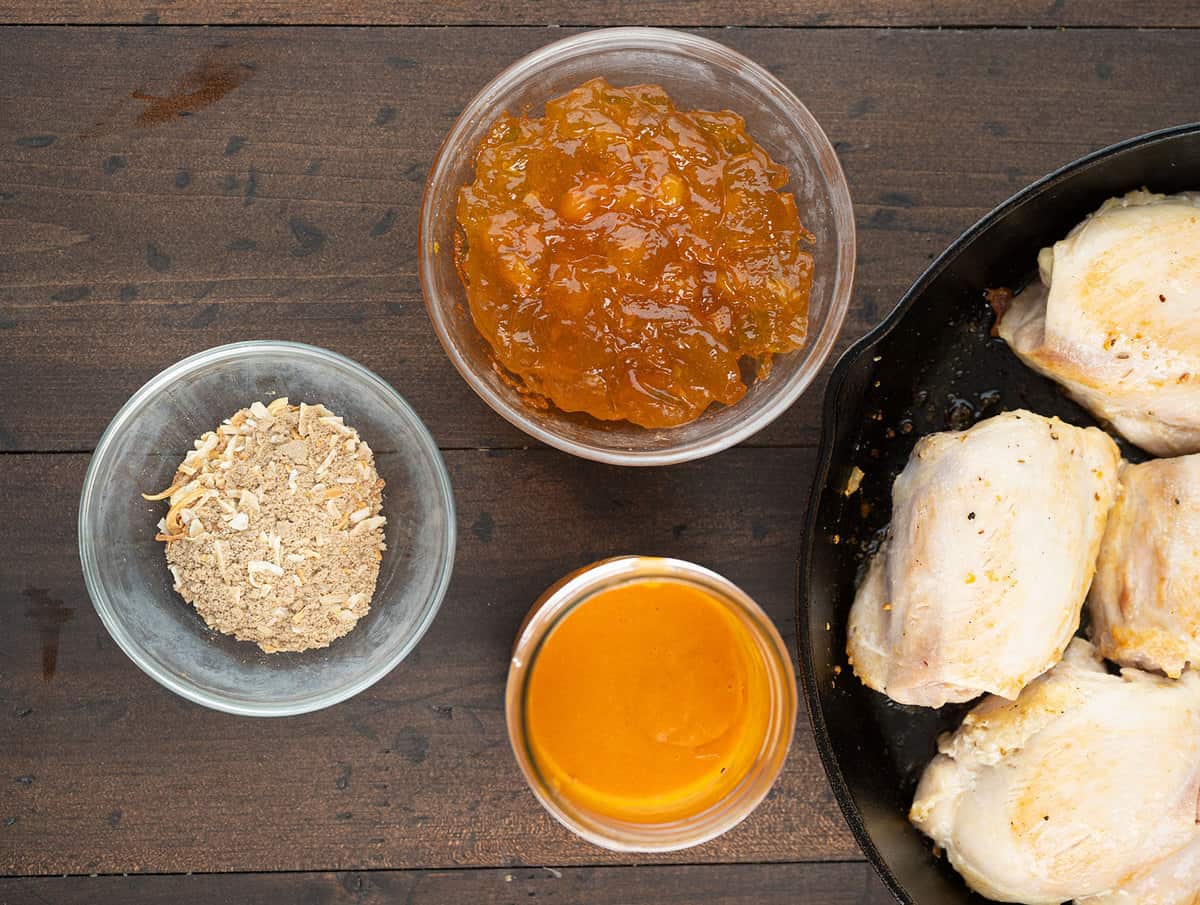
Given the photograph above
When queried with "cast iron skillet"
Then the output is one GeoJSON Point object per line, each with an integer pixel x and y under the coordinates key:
{"type": "Point", "coordinates": [932, 365]}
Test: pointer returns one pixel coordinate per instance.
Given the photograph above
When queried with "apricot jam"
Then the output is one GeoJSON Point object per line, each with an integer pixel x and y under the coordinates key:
{"type": "Point", "coordinates": [628, 259]}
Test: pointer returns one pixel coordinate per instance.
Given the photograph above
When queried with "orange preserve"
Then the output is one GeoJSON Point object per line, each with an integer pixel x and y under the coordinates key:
{"type": "Point", "coordinates": [648, 702]}
{"type": "Point", "coordinates": [629, 259]}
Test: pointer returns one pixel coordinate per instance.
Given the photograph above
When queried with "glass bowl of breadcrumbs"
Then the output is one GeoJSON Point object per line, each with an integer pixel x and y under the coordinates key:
{"type": "Point", "coordinates": [178, 432]}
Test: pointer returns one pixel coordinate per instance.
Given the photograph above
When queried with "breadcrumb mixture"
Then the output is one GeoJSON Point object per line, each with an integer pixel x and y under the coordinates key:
{"type": "Point", "coordinates": [274, 532]}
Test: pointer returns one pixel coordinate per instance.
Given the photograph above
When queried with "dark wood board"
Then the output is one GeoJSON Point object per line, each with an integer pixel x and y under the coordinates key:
{"type": "Point", "coordinates": [103, 771]}
{"type": "Point", "coordinates": [760, 13]}
{"type": "Point", "coordinates": [741, 884]}
{"type": "Point", "coordinates": [130, 237]}
{"type": "Point", "coordinates": [124, 247]}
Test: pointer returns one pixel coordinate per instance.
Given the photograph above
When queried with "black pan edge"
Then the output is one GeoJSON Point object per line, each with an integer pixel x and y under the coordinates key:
{"type": "Point", "coordinates": [837, 403]}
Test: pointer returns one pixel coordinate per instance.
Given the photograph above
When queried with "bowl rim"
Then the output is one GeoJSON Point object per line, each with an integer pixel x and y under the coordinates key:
{"type": "Point", "coordinates": [102, 602]}
{"type": "Point", "coordinates": [842, 212]}
{"type": "Point", "coordinates": [832, 413]}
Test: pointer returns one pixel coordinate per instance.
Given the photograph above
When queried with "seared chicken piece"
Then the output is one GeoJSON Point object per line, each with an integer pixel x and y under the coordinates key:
{"type": "Point", "coordinates": [1087, 782]}
{"type": "Point", "coordinates": [1175, 880]}
{"type": "Point", "coordinates": [1116, 318]}
{"type": "Point", "coordinates": [1145, 600]}
{"type": "Point", "coordinates": [989, 556]}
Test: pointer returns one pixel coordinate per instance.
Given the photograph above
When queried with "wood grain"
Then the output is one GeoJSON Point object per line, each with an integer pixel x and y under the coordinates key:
{"type": "Point", "coordinates": [818, 13]}
{"type": "Point", "coordinates": [103, 771]}
{"type": "Point", "coordinates": [742, 884]}
{"type": "Point", "coordinates": [287, 207]}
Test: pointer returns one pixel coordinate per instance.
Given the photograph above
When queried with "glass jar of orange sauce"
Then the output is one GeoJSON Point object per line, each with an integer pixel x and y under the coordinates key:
{"type": "Point", "coordinates": [650, 703]}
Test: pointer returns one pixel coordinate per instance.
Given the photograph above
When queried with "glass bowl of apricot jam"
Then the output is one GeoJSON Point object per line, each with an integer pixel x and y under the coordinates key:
{"type": "Point", "coordinates": [637, 246]}
{"type": "Point", "coordinates": [650, 703]}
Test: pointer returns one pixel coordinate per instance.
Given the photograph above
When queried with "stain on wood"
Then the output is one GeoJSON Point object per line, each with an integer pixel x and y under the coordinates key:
{"type": "Point", "coordinates": [483, 527]}
{"type": "Point", "coordinates": [156, 259]}
{"type": "Point", "coordinates": [309, 239]}
{"type": "Point", "coordinates": [48, 616]}
{"type": "Point", "coordinates": [204, 317]}
{"type": "Point", "coordinates": [200, 88]}
{"type": "Point", "coordinates": [71, 294]}
{"type": "Point", "coordinates": [384, 224]}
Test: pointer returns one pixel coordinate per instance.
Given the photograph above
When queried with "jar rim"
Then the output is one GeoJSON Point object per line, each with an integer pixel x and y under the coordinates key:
{"type": "Point", "coordinates": [583, 584]}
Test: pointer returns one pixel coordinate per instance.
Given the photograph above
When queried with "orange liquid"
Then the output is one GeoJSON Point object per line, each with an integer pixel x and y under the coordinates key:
{"type": "Point", "coordinates": [648, 702]}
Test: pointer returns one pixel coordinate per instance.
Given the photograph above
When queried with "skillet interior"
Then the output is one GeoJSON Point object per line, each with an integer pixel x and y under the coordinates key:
{"type": "Point", "coordinates": [930, 366]}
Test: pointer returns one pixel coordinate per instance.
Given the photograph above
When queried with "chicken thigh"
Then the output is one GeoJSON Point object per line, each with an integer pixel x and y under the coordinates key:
{"type": "Point", "coordinates": [1116, 318]}
{"type": "Point", "coordinates": [1145, 599]}
{"type": "Point", "coordinates": [1175, 880]}
{"type": "Point", "coordinates": [1087, 782]}
{"type": "Point", "coordinates": [993, 541]}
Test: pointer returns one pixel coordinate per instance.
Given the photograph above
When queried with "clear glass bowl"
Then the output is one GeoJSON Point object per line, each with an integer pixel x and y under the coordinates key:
{"type": "Point", "coordinates": [623, 835]}
{"type": "Point", "coordinates": [698, 74]}
{"type": "Point", "coordinates": [126, 571]}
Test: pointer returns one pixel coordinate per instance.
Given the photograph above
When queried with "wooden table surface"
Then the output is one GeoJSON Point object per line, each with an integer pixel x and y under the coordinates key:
{"type": "Point", "coordinates": [285, 206]}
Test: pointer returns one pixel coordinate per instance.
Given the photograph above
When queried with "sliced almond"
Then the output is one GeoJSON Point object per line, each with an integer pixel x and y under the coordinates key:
{"type": "Point", "coordinates": [258, 567]}
{"type": "Point", "coordinates": [324, 466]}
{"type": "Point", "coordinates": [368, 524]}
{"type": "Point", "coordinates": [335, 423]}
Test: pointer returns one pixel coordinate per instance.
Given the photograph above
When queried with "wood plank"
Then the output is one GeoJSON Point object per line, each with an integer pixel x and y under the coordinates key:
{"type": "Point", "coordinates": [103, 771]}
{"type": "Point", "coordinates": [743, 884]}
{"type": "Point", "coordinates": [125, 247]}
{"type": "Point", "coordinates": [822, 13]}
